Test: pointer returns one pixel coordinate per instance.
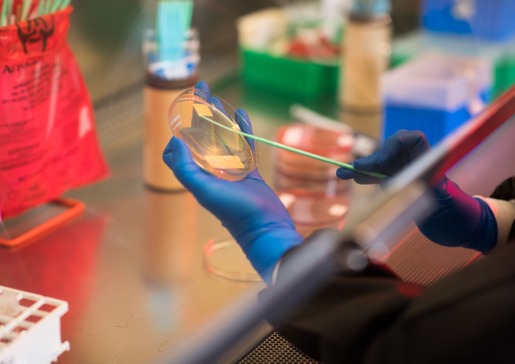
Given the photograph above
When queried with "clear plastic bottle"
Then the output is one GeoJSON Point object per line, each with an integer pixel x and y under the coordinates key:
{"type": "Point", "coordinates": [367, 52]}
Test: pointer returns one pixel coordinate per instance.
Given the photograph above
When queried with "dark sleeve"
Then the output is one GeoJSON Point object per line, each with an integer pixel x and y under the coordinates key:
{"type": "Point", "coordinates": [505, 191]}
{"type": "Point", "coordinates": [347, 314]}
{"type": "Point", "coordinates": [376, 318]}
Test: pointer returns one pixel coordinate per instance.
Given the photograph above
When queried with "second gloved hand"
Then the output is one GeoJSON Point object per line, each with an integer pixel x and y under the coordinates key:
{"type": "Point", "coordinates": [458, 220]}
{"type": "Point", "coordinates": [397, 151]}
{"type": "Point", "coordinates": [249, 209]}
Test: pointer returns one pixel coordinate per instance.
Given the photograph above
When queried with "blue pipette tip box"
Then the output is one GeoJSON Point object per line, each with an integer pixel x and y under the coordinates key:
{"type": "Point", "coordinates": [435, 94]}
{"type": "Point", "coordinates": [488, 19]}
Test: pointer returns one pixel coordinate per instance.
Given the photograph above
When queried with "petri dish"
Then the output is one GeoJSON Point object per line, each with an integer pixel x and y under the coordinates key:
{"type": "Point", "coordinates": [326, 143]}
{"type": "Point", "coordinates": [225, 258]}
{"type": "Point", "coordinates": [294, 171]}
{"type": "Point", "coordinates": [193, 118]}
{"type": "Point", "coordinates": [323, 142]}
{"type": "Point", "coordinates": [312, 211]}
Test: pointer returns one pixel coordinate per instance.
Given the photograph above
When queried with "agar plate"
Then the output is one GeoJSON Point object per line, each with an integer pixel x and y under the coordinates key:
{"type": "Point", "coordinates": [193, 117]}
{"type": "Point", "coordinates": [225, 258]}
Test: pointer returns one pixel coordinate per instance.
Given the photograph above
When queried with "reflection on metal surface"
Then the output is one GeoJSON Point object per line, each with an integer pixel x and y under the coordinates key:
{"type": "Point", "coordinates": [39, 225]}
{"type": "Point", "coordinates": [170, 231]}
{"type": "Point", "coordinates": [60, 265]}
{"type": "Point", "coordinates": [169, 223]}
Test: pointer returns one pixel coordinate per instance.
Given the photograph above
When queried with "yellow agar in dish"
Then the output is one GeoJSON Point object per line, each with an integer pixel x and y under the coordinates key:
{"type": "Point", "coordinates": [218, 151]}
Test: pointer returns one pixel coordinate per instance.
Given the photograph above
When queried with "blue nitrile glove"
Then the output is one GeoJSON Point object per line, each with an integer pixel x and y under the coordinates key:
{"type": "Point", "coordinates": [249, 209]}
{"type": "Point", "coordinates": [397, 151]}
{"type": "Point", "coordinates": [458, 220]}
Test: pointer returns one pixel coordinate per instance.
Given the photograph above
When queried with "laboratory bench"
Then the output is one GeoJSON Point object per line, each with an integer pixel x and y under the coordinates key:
{"type": "Point", "coordinates": [131, 266]}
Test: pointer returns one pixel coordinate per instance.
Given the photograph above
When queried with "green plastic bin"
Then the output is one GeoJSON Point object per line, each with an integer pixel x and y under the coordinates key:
{"type": "Point", "coordinates": [287, 76]}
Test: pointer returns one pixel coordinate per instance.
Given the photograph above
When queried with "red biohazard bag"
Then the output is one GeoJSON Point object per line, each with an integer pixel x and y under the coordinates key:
{"type": "Point", "coordinates": [48, 142]}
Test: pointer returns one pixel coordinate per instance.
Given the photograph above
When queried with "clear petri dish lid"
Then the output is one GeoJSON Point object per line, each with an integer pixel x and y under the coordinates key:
{"type": "Point", "coordinates": [225, 258]}
{"type": "Point", "coordinates": [193, 118]}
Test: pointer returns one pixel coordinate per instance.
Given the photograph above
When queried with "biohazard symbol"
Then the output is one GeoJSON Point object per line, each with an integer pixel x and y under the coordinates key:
{"type": "Point", "coordinates": [34, 36]}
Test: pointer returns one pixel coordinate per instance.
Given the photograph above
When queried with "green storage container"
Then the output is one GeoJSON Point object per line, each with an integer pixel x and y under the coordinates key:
{"type": "Point", "coordinates": [504, 74]}
{"type": "Point", "coordinates": [288, 76]}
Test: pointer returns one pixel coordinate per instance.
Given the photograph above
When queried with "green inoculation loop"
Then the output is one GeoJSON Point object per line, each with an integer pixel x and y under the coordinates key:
{"type": "Point", "coordinates": [295, 150]}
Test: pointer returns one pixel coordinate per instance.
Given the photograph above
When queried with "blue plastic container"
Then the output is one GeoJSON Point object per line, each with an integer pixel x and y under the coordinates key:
{"type": "Point", "coordinates": [491, 19]}
{"type": "Point", "coordinates": [435, 94]}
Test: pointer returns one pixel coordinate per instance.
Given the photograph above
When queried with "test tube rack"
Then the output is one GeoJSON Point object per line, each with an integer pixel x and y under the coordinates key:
{"type": "Point", "coordinates": [33, 335]}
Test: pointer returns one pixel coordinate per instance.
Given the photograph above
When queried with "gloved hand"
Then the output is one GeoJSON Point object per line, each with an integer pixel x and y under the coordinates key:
{"type": "Point", "coordinates": [249, 209]}
{"type": "Point", "coordinates": [458, 220]}
{"type": "Point", "coordinates": [397, 151]}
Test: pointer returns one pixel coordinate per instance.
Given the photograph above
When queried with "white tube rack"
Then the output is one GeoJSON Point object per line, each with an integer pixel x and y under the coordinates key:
{"type": "Point", "coordinates": [33, 335]}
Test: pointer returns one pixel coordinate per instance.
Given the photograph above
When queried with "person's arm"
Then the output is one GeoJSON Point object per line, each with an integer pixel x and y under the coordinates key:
{"type": "Point", "coordinates": [249, 209]}
{"type": "Point", "coordinates": [458, 219]}
{"type": "Point", "coordinates": [377, 318]}
{"type": "Point", "coordinates": [338, 324]}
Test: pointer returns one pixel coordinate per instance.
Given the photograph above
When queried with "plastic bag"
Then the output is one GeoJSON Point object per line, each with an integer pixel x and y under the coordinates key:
{"type": "Point", "coordinates": [48, 142]}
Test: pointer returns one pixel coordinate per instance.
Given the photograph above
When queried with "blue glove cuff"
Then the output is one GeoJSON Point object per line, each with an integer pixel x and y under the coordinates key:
{"type": "Point", "coordinates": [265, 247]}
{"type": "Point", "coordinates": [459, 220]}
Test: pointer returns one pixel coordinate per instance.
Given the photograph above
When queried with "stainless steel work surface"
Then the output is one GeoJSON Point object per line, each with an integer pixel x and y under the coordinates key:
{"type": "Point", "coordinates": [131, 265]}
{"type": "Point", "coordinates": [130, 268]}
